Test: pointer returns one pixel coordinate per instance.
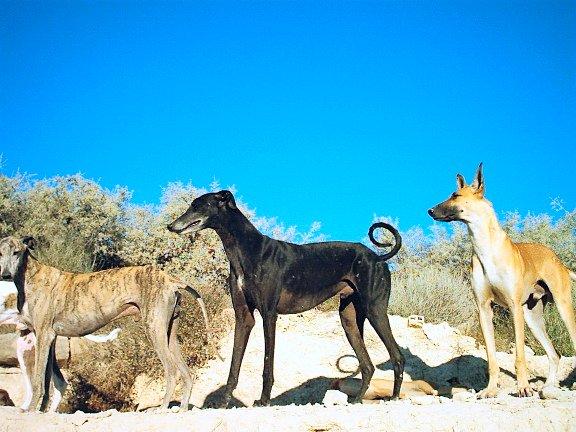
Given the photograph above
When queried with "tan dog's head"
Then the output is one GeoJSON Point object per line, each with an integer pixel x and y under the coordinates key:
{"type": "Point", "coordinates": [465, 204]}
{"type": "Point", "coordinates": [13, 254]}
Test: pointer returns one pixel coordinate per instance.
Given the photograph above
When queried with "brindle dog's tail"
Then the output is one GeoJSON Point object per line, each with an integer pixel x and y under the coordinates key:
{"type": "Point", "coordinates": [395, 233]}
{"type": "Point", "coordinates": [200, 301]}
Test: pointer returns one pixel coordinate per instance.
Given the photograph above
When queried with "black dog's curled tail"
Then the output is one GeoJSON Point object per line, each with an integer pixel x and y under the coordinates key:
{"type": "Point", "coordinates": [395, 233]}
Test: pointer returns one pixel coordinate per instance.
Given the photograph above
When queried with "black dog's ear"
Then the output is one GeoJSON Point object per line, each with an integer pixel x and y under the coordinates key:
{"type": "Point", "coordinates": [225, 197]}
{"type": "Point", "coordinates": [29, 241]}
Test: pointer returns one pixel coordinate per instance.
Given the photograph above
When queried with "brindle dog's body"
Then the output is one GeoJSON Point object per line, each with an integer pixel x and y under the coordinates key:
{"type": "Point", "coordinates": [279, 277]}
{"type": "Point", "coordinates": [57, 303]}
{"type": "Point", "coordinates": [520, 276]}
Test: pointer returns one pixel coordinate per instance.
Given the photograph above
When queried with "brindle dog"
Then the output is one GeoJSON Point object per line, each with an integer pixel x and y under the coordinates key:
{"type": "Point", "coordinates": [54, 303]}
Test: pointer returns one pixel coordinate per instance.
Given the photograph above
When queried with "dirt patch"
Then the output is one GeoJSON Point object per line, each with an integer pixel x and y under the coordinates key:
{"type": "Point", "coordinates": [308, 347]}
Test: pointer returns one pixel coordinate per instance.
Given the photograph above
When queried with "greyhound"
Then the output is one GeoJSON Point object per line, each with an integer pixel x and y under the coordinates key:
{"type": "Point", "coordinates": [279, 277]}
{"type": "Point", "coordinates": [57, 303]}
{"type": "Point", "coordinates": [520, 276]}
{"type": "Point", "coordinates": [26, 343]}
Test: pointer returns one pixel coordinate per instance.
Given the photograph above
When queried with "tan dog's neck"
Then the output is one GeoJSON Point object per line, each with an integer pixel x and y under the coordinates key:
{"type": "Point", "coordinates": [486, 233]}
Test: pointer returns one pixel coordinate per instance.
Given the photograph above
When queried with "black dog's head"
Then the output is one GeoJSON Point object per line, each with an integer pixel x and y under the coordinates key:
{"type": "Point", "coordinates": [206, 211]}
{"type": "Point", "coordinates": [13, 254]}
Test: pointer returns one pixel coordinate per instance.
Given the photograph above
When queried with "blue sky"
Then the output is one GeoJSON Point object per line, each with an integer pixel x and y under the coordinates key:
{"type": "Point", "coordinates": [330, 111]}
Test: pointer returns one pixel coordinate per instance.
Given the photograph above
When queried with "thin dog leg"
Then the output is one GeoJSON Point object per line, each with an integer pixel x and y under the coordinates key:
{"type": "Point", "coordinates": [157, 329]}
{"type": "Point", "coordinates": [535, 321]}
{"type": "Point", "coordinates": [486, 315]}
{"type": "Point", "coordinates": [350, 317]}
{"type": "Point", "coordinates": [269, 323]}
{"type": "Point", "coordinates": [25, 351]}
{"type": "Point", "coordinates": [181, 365]}
{"type": "Point", "coordinates": [380, 322]}
{"type": "Point", "coordinates": [60, 385]}
{"type": "Point", "coordinates": [44, 342]}
{"type": "Point", "coordinates": [524, 388]}
{"type": "Point", "coordinates": [242, 329]}
{"type": "Point", "coordinates": [566, 310]}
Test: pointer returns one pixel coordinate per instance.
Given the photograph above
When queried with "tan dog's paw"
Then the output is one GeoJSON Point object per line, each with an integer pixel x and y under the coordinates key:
{"type": "Point", "coordinates": [525, 391]}
{"type": "Point", "coordinates": [488, 392]}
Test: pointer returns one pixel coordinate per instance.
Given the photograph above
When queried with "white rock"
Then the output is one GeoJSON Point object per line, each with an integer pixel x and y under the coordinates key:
{"type": "Point", "coordinates": [335, 397]}
{"type": "Point", "coordinates": [464, 396]}
{"type": "Point", "coordinates": [555, 393]}
{"type": "Point", "coordinates": [439, 334]}
{"type": "Point", "coordinates": [424, 400]}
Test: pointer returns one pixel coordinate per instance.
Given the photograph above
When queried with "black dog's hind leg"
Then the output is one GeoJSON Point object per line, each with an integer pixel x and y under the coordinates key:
{"type": "Point", "coordinates": [382, 326]}
{"type": "Point", "coordinates": [352, 318]}
{"type": "Point", "coordinates": [269, 323]}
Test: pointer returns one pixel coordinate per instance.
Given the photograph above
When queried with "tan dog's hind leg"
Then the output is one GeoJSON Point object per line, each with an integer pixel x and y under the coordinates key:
{"type": "Point", "coordinates": [565, 307]}
{"type": "Point", "coordinates": [536, 324]}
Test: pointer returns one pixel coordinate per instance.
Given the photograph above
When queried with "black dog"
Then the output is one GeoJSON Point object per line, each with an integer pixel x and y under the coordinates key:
{"type": "Point", "coordinates": [279, 277]}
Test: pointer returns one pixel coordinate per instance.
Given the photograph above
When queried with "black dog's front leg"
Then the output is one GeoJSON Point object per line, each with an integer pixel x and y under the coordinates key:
{"type": "Point", "coordinates": [243, 326]}
{"type": "Point", "coordinates": [269, 322]}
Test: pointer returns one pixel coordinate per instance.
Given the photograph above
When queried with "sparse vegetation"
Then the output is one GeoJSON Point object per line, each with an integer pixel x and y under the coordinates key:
{"type": "Point", "coordinates": [81, 226]}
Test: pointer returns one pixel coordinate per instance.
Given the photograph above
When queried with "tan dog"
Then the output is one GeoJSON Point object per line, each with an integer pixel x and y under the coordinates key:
{"type": "Point", "coordinates": [520, 276]}
{"type": "Point", "coordinates": [57, 303]}
{"type": "Point", "coordinates": [382, 388]}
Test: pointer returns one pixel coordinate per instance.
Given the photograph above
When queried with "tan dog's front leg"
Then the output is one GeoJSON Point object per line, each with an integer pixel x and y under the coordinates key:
{"type": "Point", "coordinates": [524, 388]}
{"type": "Point", "coordinates": [483, 297]}
{"type": "Point", "coordinates": [44, 342]}
{"type": "Point", "coordinates": [486, 315]}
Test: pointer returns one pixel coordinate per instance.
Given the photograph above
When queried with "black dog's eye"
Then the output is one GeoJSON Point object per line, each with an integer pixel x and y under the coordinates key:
{"type": "Point", "coordinates": [16, 253]}
{"type": "Point", "coordinates": [455, 195]}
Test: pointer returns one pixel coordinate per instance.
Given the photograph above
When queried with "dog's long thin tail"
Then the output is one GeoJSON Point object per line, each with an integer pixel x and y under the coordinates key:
{"type": "Point", "coordinates": [395, 233]}
{"type": "Point", "coordinates": [200, 301]}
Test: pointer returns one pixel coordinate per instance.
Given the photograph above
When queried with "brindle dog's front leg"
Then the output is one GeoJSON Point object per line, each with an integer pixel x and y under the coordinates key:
{"type": "Point", "coordinates": [244, 315]}
{"type": "Point", "coordinates": [44, 341]}
{"type": "Point", "coordinates": [269, 322]}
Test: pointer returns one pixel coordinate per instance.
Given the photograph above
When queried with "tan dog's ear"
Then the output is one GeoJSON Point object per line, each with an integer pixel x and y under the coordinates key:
{"type": "Point", "coordinates": [478, 182]}
{"type": "Point", "coordinates": [460, 182]}
{"type": "Point", "coordinates": [29, 241]}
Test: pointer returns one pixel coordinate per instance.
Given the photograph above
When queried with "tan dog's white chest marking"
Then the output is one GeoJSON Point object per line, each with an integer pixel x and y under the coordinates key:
{"type": "Point", "coordinates": [520, 276]}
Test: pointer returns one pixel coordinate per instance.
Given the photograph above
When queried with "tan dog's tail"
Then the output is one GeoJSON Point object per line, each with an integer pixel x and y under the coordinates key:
{"type": "Point", "coordinates": [200, 301]}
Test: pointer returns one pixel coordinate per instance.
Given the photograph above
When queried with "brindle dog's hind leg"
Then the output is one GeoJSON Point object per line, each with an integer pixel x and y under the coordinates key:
{"type": "Point", "coordinates": [157, 331]}
{"type": "Point", "coordinates": [177, 357]}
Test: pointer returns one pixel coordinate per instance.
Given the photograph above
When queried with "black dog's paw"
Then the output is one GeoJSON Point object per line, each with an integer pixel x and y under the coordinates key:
{"type": "Point", "coordinates": [261, 403]}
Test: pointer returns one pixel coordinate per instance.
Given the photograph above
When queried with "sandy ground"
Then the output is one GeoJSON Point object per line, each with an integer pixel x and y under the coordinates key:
{"type": "Point", "coordinates": [307, 348]}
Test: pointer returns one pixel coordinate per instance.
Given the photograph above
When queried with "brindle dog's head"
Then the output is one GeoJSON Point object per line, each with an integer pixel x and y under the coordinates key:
{"type": "Point", "coordinates": [13, 254]}
{"type": "Point", "coordinates": [206, 211]}
{"type": "Point", "coordinates": [465, 203]}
